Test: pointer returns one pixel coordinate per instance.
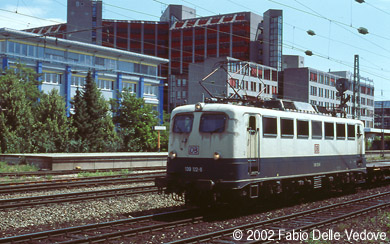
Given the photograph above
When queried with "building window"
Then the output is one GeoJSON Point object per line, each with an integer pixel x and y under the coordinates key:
{"type": "Point", "coordinates": [99, 61]}
{"type": "Point", "coordinates": [313, 76]}
{"type": "Point", "coordinates": [131, 87]}
{"type": "Point", "coordinates": [313, 90]}
{"type": "Point", "coordinates": [253, 86]}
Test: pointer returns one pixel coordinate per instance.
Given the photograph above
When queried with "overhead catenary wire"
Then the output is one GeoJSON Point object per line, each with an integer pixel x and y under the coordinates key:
{"type": "Point", "coordinates": [137, 11]}
{"type": "Point", "coordinates": [186, 62]}
{"type": "Point", "coordinates": [178, 49]}
{"type": "Point", "coordinates": [330, 21]}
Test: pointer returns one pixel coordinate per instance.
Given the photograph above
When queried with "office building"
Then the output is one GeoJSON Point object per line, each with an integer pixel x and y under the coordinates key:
{"type": "Point", "coordinates": [64, 64]}
{"type": "Point", "coordinates": [319, 88]}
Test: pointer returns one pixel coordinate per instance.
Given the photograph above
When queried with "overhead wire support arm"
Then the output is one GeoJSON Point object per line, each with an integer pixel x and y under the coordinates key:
{"type": "Point", "coordinates": [205, 78]}
{"type": "Point", "coordinates": [233, 88]}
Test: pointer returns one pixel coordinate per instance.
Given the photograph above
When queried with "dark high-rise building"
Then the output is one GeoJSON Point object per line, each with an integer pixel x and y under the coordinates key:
{"type": "Point", "coordinates": [84, 21]}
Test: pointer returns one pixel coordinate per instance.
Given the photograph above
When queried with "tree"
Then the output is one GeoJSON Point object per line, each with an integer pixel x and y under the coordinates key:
{"type": "Point", "coordinates": [165, 134]}
{"type": "Point", "coordinates": [54, 130]}
{"type": "Point", "coordinates": [19, 95]}
{"type": "Point", "coordinates": [95, 129]}
{"type": "Point", "coordinates": [134, 120]}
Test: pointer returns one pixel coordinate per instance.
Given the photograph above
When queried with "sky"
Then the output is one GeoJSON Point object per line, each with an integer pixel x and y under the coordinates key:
{"type": "Point", "coordinates": [335, 23]}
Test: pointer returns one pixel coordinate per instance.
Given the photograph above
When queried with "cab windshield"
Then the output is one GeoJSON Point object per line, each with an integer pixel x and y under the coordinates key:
{"type": "Point", "coordinates": [212, 123]}
{"type": "Point", "coordinates": [183, 123]}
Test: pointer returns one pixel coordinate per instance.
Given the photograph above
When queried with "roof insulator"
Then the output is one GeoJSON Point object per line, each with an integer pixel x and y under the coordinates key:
{"type": "Point", "coordinates": [359, 1]}
{"type": "Point", "coordinates": [311, 32]}
{"type": "Point", "coordinates": [308, 52]}
{"type": "Point", "coordinates": [363, 30]}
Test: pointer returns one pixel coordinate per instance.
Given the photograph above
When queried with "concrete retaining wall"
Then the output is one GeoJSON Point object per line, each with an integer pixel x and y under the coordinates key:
{"type": "Point", "coordinates": [69, 161]}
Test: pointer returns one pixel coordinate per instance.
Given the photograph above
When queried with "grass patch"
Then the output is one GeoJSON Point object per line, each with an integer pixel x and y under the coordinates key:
{"type": "Point", "coordinates": [377, 158]}
{"type": "Point", "coordinates": [12, 168]}
{"type": "Point", "coordinates": [103, 173]}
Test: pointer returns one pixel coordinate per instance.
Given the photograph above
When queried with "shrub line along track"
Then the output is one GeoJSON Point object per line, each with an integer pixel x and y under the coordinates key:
{"type": "Point", "coordinates": [109, 230]}
{"type": "Point", "coordinates": [74, 196]}
{"type": "Point", "coordinates": [302, 221]}
{"type": "Point", "coordinates": [68, 172]}
{"type": "Point", "coordinates": [11, 188]}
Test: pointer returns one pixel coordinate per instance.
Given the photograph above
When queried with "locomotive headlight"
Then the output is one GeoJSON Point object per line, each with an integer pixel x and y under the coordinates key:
{"type": "Point", "coordinates": [216, 156]}
{"type": "Point", "coordinates": [198, 107]}
{"type": "Point", "coordinates": [172, 154]}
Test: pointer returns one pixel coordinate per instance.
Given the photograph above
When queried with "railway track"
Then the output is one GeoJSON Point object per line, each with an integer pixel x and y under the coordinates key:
{"type": "Point", "coordinates": [11, 188]}
{"type": "Point", "coordinates": [133, 229]}
{"type": "Point", "coordinates": [74, 196]}
{"type": "Point", "coordinates": [68, 172]}
{"type": "Point", "coordinates": [103, 232]}
{"type": "Point", "coordinates": [277, 229]}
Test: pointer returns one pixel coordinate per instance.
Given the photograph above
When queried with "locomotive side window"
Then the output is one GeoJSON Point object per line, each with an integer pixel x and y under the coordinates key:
{"type": "Point", "coordinates": [212, 123]}
{"type": "Point", "coordinates": [303, 129]}
{"type": "Point", "coordinates": [287, 127]}
{"type": "Point", "coordinates": [183, 123]}
{"type": "Point", "coordinates": [329, 130]}
{"type": "Point", "coordinates": [340, 131]}
{"type": "Point", "coordinates": [269, 127]}
{"type": "Point", "coordinates": [351, 132]}
{"type": "Point", "coordinates": [316, 130]}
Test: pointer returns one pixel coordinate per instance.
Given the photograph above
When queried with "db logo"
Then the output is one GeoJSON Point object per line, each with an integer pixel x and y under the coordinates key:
{"type": "Point", "coordinates": [193, 150]}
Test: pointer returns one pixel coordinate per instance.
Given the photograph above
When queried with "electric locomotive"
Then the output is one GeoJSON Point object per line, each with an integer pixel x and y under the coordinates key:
{"type": "Point", "coordinates": [224, 152]}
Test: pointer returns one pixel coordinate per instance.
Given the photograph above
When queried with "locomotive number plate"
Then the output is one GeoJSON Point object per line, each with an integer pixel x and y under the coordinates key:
{"type": "Point", "coordinates": [193, 169]}
{"type": "Point", "coordinates": [193, 150]}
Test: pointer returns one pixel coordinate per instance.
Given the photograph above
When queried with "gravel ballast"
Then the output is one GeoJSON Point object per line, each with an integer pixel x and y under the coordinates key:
{"type": "Point", "coordinates": [53, 216]}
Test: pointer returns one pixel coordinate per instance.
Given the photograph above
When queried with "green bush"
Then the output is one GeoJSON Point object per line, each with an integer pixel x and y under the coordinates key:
{"type": "Point", "coordinates": [11, 168]}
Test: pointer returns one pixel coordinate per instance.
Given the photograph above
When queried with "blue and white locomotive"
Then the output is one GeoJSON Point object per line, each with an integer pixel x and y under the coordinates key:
{"type": "Point", "coordinates": [223, 152]}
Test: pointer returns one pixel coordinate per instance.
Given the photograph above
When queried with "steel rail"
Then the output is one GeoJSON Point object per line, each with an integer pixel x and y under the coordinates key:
{"type": "Point", "coordinates": [74, 196]}
{"type": "Point", "coordinates": [124, 226]}
{"type": "Point", "coordinates": [72, 178]}
{"type": "Point", "coordinates": [72, 183]}
{"type": "Point", "coordinates": [315, 217]}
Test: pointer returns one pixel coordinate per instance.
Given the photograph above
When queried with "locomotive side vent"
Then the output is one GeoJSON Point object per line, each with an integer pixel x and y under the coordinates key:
{"type": "Point", "coordinates": [317, 182]}
{"type": "Point", "coordinates": [254, 191]}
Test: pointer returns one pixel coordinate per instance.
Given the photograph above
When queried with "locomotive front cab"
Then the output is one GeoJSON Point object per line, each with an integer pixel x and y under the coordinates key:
{"type": "Point", "coordinates": [200, 150]}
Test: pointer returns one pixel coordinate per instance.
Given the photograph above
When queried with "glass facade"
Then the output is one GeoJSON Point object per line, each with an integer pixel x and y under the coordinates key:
{"type": "Point", "coordinates": [276, 42]}
{"type": "Point", "coordinates": [56, 54]}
